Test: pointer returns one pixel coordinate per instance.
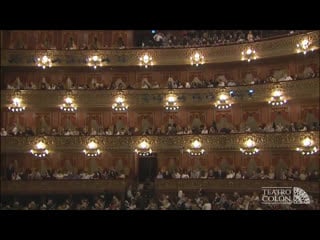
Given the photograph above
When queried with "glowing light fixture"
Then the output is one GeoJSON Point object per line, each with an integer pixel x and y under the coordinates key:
{"type": "Point", "coordinates": [277, 98]}
{"type": "Point", "coordinates": [248, 54]}
{"type": "Point", "coordinates": [171, 103]}
{"type": "Point", "coordinates": [196, 58]}
{"type": "Point", "coordinates": [94, 61]}
{"type": "Point", "coordinates": [145, 60]}
{"type": "Point", "coordinates": [92, 149]}
{"type": "Point", "coordinates": [120, 105]}
{"type": "Point", "coordinates": [16, 105]}
{"type": "Point", "coordinates": [195, 149]}
{"type": "Point", "coordinates": [249, 147]}
{"type": "Point", "coordinates": [40, 149]}
{"type": "Point", "coordinates": [143, 148]}
{"type": "Point", "coordinates": [44, 62]}
{"type": "Point", "coordinates": [304, 46]}
{"type": "Point", "coordinates": [307, 147]}
{"type": "Point", "coordinates": [222, 103]}
{"type": "Point", "coordinates": [68, 105]}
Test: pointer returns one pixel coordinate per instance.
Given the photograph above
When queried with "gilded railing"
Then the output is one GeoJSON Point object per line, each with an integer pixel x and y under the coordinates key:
{"type": "Point", "coordinates": [216, 142]}
{"type": "Point", "coordinates": [174, 185]}
{"type": "Point", "coordinates": [181, 56]}
{"type": "Point", "coordinates": [293, 90]}
{"type": "Point", "coordinates": [63, 187]}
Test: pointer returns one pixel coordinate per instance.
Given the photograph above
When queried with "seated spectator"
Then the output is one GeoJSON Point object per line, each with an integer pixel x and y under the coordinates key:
{"type": "Point", "coordinates": [3, 132]}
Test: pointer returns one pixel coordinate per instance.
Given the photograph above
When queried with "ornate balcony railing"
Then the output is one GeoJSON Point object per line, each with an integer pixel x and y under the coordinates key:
{"type": "Point", "coordinates": [63, 187]}
{"type": "Point", "coordinates": [294, 90]}
{"type": "Point", "coordinates": [181, 56]}
{"type": "Point", "coordinates": [215, 142]}
{"type": "Point", "coordinates": [234, 185]}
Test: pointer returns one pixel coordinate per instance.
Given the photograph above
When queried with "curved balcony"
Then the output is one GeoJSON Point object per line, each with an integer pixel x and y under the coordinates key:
{"type": "Point", "coordinates": [162, 57]}
{"type": "Point", "coordinates": [63, 187]}
{"type": "Point", "coordinates": [218, 185]}
{"type": "Point", "coordinates": [154, 98]}
{"type": "Point", "coordinates": [164, 143]}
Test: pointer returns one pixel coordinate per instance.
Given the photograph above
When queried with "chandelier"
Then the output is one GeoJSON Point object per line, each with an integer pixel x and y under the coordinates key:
{"type": "Point", "coordinates": [196, 59]}
{"type": "Point", "coordinates": [40, 149]}
{"type": "Point", "coordinates": [195, 149]}
{"type": "Point", "coordinates": [171, 104]}
{"type": "Point", "coordinates": [92, 149]}
{"type": "Point", "coordinates": [307, 147]}
{"type": "Point", "coordinates": [16, 105]}
{"type": "Point", "coordinates": [249, 147]}
{"type": "Point", "coordinates": [304, 46]}
{"type": "Point", "coordinates": [145, 60]}
{"type": "Point", "coordinates": [222, 102]}
{"type": "Point", "coordinates": [68, 105]}
{"type": "Point", "coordinates": [248, 54]}
{"type": "Point", "coordinates": [44, 62]}
{"type": "Point", "coordinates": [94, 61]}
{"type": "Point", "coordinates": [120, 105]}
{"type": "Point", "coordinates": [277, 98]}
{"type": "Point", "coordinates": [143, 148]}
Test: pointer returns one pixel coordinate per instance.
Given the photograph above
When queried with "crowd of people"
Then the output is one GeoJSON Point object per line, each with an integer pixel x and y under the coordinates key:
{"type": "Point", "coordinates": [139, 200]}
{"type": "Point", "coordinates": [278, 173]}
{"type": "Point", "coordinates": [218, 81]}
{"type": "Point", "coordinates": [203, 38]}
{"type": "Point", "coordinates": [63, 174]}
{"type": "Point", "coordinates": [255, 173]}
{"type": "Point", "coordinates": [222, 127]}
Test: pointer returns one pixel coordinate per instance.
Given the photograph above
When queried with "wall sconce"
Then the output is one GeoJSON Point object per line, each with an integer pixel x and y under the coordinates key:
{"type": "Point", "coordinates": [145, 60]}
{"type": "Point", "coordinates": [171, 104]}
{"type": "Point", "coordinates": [120, 105]}
{"type": "Point", "coordinates": [304, 46]}
{"type": "Point", "coordinates": [40, 149]}
{"type": "Point", "coordinates": [277, 98]}
{"type": "Point", "coordinates": [196, 58]}
{"type": "Point", "coordinates": [307, 147]}
{"type": "Point", "coordinates": [16, 105]}
{"type": "Point", "coordinates": [92, 149]}
{"type": "Point", "coordinates": [248, 54]}
{"type": "Point", "coordinates": [44, 62]}
{"type": "Point", "coordinates": [249, 147]}
{"type": "Point", "coordinates": [195, 149]}
{"type": "Point", "coordinates": [143, 148]}
{"type": "Point", "coordinates": [94, 61]}
{"type": "Point", "coordinates": [68, 105]}
{"type": "Point", "coordinates": [222, 103]}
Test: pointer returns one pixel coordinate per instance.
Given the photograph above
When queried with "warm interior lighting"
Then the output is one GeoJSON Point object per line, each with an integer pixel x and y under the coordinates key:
{"type": "Point", "coordinates": [277, 99]}
{"type": "Point", "coordinates": [94, 61]}
{"type": "Point", "coordinates": [92, 149]}
{"type": "Point", "coordinates": [120, 105]}
{"type": "Point", "coordinates": [68, 105]}
{"type": "Point", "coordinates": [196, 149]}
{"type": "Point", "coordinates": [16, 105]}
{"type": "Point", "coordinates": [196, 59]}
{"type": "Point", "coordinates": [249, 147]}
{"type": "Point", "coordinates": [145, 60]}
{"type": "Point", "coordinates": [144, 148]}
{"type": "Point", "coordinates": [249, 54]}
{"type": "Point", "coordinates": [44, 62]}
{"type": "Point", "coordinates": [40, 149]}
{"type": "Point", "coordinates": [307, 147]}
